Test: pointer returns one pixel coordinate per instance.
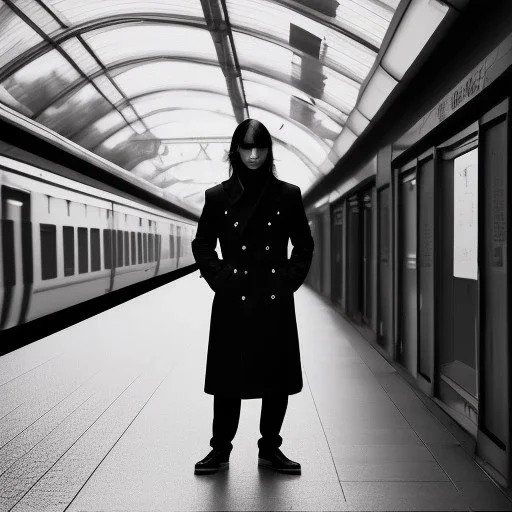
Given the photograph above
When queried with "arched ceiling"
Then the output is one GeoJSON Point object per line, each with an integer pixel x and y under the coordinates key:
{"type": "Point", "coordinates": [158, 86]}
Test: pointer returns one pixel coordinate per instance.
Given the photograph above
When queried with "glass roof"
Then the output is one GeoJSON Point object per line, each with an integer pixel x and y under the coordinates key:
{"type": "Point", "coordinates": [158, 87]}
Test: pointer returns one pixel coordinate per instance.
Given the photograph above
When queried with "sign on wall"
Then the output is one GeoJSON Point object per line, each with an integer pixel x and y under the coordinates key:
{"type": "Point", "coordinates": [465, 215]}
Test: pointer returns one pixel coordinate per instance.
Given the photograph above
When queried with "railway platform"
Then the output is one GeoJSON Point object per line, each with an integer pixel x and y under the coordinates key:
{"type": "Point", "coordinates": [110, 415]}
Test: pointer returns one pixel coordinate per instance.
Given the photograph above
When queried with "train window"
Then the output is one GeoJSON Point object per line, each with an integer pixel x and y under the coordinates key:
{"type": "Point", "coordinates": [150, 248]}
{"type": "Point", "coordinates": [107, 247]}
{"type": "Point", "coordinates": [139, 245]}
{"type": "Point", "coordinates": [95, 250]}
{"type": "Point", "coordinates": [145, 246]}
{"type": "Point", "coordinates": [134, 248]}
{"type": "Point", "coordinates": [178, 240]}
{"type": "Point", "coordinates": [158, 247]}
{"type": "Point", "coordinates": [68, 236]}
{"type": "Point", "coordinates": [126, 248]}
{"type": "Point", "coordinates": [8, 251]}
{"type": "Point", "coordinates": [119, 248]}
{"type": "Point", "coordinates": [171, 243]}
{"type": "Point", "coordinates": [48, 251]}
{"type": "Point", "coordinates": [83, 251]}
{"type": "Point", "coordinates": [114, 248]}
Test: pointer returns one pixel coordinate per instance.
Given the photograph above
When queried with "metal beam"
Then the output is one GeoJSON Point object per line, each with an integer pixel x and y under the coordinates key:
{"type": "Point", "coordinates": [219, 29]}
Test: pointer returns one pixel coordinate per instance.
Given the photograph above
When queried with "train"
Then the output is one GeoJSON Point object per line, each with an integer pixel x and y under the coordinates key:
{"type": "Point", "coordinates": [64, 241]}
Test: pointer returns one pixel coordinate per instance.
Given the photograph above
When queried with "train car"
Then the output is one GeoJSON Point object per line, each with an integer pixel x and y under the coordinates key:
{"type": "Point", "coordinates": [63, 242]}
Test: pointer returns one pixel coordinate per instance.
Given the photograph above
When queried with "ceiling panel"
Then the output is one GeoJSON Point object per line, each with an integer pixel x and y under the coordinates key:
{"type": "Point", "coordinates": [189, 124]}
{"type": "Point", "coordinates": [127, 42]}
{"type": "Point", "coordinates": [161, 76]}
{"type": "Point", "coordinates": [291, 134]}
{"type": "Point", "coordinates": [36, 13]}
{"type": "Point", "coordinates": [70, 115]}
{"type": "Point", "coordinates": [74, 12]}
{"type": "Point", "coordinates": [37, 84]}
{"type": "Point", "coordinates": [321, 83]}
{"type": "Point", "coordinates": [288, 106]}
{"type": "Point", "coordinates": [16, 37]}
{"type": "Point", "coordinates": [341, 54]}
{"type": "Point", "coordinates": [182, 99]}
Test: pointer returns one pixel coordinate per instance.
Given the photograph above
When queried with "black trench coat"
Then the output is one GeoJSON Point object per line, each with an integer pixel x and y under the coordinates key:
{"type": "Point", "coordinates": [253, 345]}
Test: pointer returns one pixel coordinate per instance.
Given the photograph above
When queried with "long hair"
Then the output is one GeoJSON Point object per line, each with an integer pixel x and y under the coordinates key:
{"type": "Point", "coordinates": [260, 136]}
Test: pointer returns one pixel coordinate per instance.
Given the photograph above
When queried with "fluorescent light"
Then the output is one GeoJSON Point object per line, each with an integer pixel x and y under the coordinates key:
{"type": "Point", "coordinates": [418, 24]}
{"type": "Point", "coordinates": [378, 89]}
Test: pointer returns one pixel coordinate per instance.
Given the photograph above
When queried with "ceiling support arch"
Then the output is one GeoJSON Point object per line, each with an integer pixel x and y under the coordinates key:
{"type": "Point", "coordinates": [219, 28]}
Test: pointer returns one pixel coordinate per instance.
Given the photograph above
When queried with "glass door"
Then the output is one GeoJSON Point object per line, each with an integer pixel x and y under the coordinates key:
{"type": "Point", "coordinates": [408, 297]}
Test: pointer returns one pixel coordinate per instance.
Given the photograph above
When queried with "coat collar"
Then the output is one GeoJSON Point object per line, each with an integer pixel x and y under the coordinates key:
{"type": "Point", "coordinates": [234, 190]}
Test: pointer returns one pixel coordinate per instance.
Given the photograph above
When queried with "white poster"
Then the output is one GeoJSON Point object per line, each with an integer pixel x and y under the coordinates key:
{"type": "Point", "coordinates": [465, 215]}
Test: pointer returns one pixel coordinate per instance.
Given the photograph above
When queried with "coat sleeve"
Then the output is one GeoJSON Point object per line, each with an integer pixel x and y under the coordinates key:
{"type": "Point", "coordinates": [302, 241]}
{"type": "Point", "coordinates": [218, 274]}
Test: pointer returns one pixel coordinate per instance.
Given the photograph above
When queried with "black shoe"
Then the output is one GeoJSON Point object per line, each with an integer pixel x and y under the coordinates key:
{"type": "Point", "coordinates": [276, 460]}
{"type": "Point", "coordinates": [215, 460]}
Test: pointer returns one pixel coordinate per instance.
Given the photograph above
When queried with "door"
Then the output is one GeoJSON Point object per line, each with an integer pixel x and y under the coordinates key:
{"type": "Point", "coordinates": [337, 255]}
{"type": "Point", "coordinates": [17, 275]}
{"type": "Point", "coordinates": [493, 442]}
{"type": "Point", "coordinates": [459, 283]}
{"type": "Point", "coordinates": [426, 273]}
{"type": "Point", "coordinates": [367, 258]}
{"type": "Point", "coordinates": [354, 257]}
{"type": "Point", "coordinates": [408, 320]}
{"type": "Point", "coordinates": [384, 304]}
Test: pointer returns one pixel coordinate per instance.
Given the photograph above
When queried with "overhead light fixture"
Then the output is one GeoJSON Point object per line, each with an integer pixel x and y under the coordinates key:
{"type": "Point", "coordinates": [378, 89]}
{"type": "Point", "coordinates": [420, 21]}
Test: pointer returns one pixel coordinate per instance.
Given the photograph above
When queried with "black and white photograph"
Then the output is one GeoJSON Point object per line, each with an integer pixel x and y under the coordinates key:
{"type": "Point", "coordinates": [253, 255]}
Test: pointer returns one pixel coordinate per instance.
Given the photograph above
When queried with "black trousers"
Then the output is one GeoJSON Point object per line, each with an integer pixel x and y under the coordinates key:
{"type": "Point", "coordinates": [226, 415]}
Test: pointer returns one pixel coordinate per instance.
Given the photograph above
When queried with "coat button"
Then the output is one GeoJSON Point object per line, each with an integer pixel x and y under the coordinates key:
{"type": "Point", "coordinates": [236, 224]}
{"type": "Point", "coordinates": [243, 247]}
{"type": "Point", "coordinates": [267, 248]}
{"type": "Point", "coordinates": [243, 297]}
{"type": "Point", "coordinates": [273, 271]}
{"type": "Point", "coordinates": [235, 270]}
{"type": "Point", "coordinates": [272, 297]}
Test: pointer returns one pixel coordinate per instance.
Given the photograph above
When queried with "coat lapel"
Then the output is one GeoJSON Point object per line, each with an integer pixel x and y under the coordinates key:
{"type": "Point", "coordinates": [241, 210]}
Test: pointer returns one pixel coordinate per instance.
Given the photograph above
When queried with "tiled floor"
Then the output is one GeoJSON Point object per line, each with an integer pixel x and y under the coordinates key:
{"type": "Point", "coordinates": [110, 415]}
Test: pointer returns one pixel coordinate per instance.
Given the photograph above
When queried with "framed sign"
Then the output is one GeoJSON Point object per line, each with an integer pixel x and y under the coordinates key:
{"type": "Point", "coordinates": [465, 215]}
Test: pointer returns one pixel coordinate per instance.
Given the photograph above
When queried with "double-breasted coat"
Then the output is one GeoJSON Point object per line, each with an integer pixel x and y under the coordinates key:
{"type": "Point", "coordinates": [253, 347]}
